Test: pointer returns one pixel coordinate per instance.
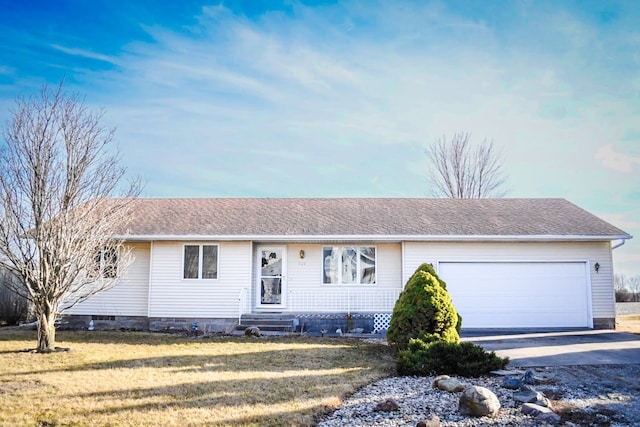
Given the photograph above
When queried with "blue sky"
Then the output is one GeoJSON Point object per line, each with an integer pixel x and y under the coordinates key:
{"type": "Point", "coordinates": [340, 98]}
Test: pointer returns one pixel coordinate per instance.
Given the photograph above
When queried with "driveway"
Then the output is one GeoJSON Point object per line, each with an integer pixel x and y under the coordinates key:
{"type": "Point", "coordinates": [569, 348]}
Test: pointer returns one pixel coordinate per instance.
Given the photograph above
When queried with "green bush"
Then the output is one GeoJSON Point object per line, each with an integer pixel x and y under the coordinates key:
{"type": "Point", "coordinates": [424, 310]}
{"type": "Point", "coordinates": [441, 357]}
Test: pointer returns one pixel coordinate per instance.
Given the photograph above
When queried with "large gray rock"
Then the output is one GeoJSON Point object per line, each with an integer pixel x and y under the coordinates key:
{"type": "Point", "coordinates": [478, 402]}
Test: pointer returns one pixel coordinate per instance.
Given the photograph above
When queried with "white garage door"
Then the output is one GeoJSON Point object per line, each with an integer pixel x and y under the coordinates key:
{"type": "Point", "coordinates": [518, 294]}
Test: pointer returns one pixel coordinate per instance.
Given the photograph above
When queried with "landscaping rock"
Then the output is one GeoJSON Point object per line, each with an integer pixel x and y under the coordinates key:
{"type": "Point", "coordinates": [515, 383]}
{"type": "Point", "coordinates": [528, 378]}
{"type": "Point", "coordinates": [512, 383]}
{"type": "Point", "coordinates": [534, 410]}
{"type": "Point", "coordinates": [531, 396]}
{"type": "Point", "coordinates": [549, 417]}
{"type": "Point", "coordinates": [252, 331]}
{"type": "Point", "coordinates": [388, 405]}
{"type": "Point", "coordinates": [432, 421]}
{"type": "Point", "coordinates": [584, 394]}
{"type": "Point", "coordinates": [541, 413]}
{"type": "Point", "coordinates": [479, 402]}
{"type": "Point", "coordinates": [446, 383]}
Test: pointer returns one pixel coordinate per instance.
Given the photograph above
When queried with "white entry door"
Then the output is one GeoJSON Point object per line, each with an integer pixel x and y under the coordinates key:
{"type": "Point", "coordinates": [271, 286]}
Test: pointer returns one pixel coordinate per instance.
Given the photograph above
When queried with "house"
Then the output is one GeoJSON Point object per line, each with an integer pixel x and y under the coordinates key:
{"type": "Point", "coordinates": [329, 263]}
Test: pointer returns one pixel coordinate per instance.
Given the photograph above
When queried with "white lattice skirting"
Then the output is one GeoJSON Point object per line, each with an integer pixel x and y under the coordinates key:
{"type": "Point", "coordinates": [381, 322]}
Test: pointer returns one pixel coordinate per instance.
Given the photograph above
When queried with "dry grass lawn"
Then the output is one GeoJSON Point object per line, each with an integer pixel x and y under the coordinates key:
{"type": "Point", "coordinates": [143, 379]}
{"type": "Point", "coordinates": [628, 323]}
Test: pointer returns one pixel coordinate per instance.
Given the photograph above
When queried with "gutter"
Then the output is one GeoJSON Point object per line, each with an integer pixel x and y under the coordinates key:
{"type": "Point", "coordinates": [375, 238]}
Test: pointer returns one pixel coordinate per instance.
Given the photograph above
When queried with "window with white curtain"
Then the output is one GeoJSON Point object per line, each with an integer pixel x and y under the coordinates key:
{"type": "Point", "coordinates": [349, 265]}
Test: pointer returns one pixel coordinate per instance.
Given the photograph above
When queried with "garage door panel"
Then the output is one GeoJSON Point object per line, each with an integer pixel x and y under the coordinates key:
{"type": "Point", "coordinates": [489, 319]}
{"type": "Point", "coordinates": [506, 295]}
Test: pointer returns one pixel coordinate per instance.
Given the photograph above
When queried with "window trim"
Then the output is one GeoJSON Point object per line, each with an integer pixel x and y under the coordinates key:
{"type": "Point", "coordinates": [200, 259]}
{"type": "Point", "coordinates": [358, 248]}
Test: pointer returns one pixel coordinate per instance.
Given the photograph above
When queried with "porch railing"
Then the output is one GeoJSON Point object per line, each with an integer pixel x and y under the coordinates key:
{"type": "Point", "coordinates": [243, 304]}
{"type": "Point", "coordinates": [342, 300]}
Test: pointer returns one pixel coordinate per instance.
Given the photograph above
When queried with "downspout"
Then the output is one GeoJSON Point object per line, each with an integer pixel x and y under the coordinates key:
{"type": "Point", "coordinates": [622, 242]}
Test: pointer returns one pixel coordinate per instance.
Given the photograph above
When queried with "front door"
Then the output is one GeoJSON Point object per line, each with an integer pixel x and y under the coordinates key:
{"type": "Point", "coordinates": [271, 277]}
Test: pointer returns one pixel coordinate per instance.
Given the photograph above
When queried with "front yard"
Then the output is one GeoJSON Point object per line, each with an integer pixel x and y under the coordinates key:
{"type": "Point", "coordinates": [144, 379]}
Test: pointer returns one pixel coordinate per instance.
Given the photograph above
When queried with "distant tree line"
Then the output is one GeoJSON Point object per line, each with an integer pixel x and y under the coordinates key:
{"type": "Point", "coordinates": [627, 288]}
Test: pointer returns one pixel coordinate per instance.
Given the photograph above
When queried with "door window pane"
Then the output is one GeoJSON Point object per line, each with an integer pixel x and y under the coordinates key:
{"type": "Point", "coordinates": [272, 262]}
{"type": "Point", "coordinates": [271, 292]}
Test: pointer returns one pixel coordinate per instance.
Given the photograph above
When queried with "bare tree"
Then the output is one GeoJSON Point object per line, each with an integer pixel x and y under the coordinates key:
{"type": "Point", "coordinates": [620, 287]}
{"type": "Point", "coordinates": [58, 174]}
{"type": "Point", "coordinates": [634, 286]}
{"type": "Point", "coordinates": [459, 170]}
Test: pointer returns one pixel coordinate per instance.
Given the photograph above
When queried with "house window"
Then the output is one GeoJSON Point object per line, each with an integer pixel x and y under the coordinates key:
{"type": "Point", "coordinates": [349, 265]}
{"type": "Point", "coordinates": [200, 262]}
{"type": "Point", "coordinates": [106, 263]}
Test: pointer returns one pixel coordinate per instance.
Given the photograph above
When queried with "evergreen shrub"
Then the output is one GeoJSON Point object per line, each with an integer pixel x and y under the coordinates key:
{"type": "Point", "coordinates": [424, 311]}
{"type": "Point", "coordinates": [440, 357]}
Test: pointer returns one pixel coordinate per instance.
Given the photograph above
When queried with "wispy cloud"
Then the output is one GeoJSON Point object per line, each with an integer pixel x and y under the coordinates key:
{"type": "Point", "coordinates": [620, 162]}
{"type": "Point", "coordinates": [85, 54]}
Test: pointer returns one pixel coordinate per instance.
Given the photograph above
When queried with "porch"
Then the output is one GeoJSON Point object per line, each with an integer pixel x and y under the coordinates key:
{"type": "Point", "coordinates": [318, 324]}
{"type": "Point", "coordinates": [344, 309]}
{"type": "Point", "coordinates": [324, 300]}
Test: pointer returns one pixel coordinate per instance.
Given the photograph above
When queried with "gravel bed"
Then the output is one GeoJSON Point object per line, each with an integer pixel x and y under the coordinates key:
{"type": "Point", "coordinates": [603, 395]}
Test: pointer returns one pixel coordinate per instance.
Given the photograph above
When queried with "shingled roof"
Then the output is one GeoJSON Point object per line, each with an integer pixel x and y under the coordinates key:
{"type": "Point", "coordinates": [366, 218]}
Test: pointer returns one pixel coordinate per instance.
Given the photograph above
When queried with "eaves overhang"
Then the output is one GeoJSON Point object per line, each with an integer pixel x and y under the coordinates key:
{"type": "Point", "coordinates": [372, 238]}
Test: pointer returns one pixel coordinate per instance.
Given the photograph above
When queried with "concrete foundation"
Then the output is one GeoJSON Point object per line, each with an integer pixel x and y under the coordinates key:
{"type": "Point", "coordinates": [104, 323]}
{"type": "Point", "coordinates": [604, 323]}
{"type": "Point", "coordinates": [330, 323]}
{"type": "Point", "coordinates": [205, 326]}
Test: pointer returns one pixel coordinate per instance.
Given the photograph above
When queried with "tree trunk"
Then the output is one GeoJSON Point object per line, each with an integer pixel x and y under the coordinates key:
{"type": "Point", "coordinates": [46, 332]}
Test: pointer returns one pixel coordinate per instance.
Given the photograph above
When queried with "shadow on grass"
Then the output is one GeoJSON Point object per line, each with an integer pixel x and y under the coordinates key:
{"type": "Point", "coordinates": [342, 352]}
{"type": "Point", "coordinates": [225, 398]}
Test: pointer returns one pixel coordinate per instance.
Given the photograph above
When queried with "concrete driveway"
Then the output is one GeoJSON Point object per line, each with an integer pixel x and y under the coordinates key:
{"type": "Point", "coordinates": [569, 348]}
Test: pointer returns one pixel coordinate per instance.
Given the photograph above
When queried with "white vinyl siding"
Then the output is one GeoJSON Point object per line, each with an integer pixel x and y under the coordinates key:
{"type": "Point", "coordinates": [307, 293]}
{"type": "Point", "coordinates": [602, 297]}
{"type": "Point", "coordinates": [173, 296]}
{"type": "Point", "coordinates": [129, 296]}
